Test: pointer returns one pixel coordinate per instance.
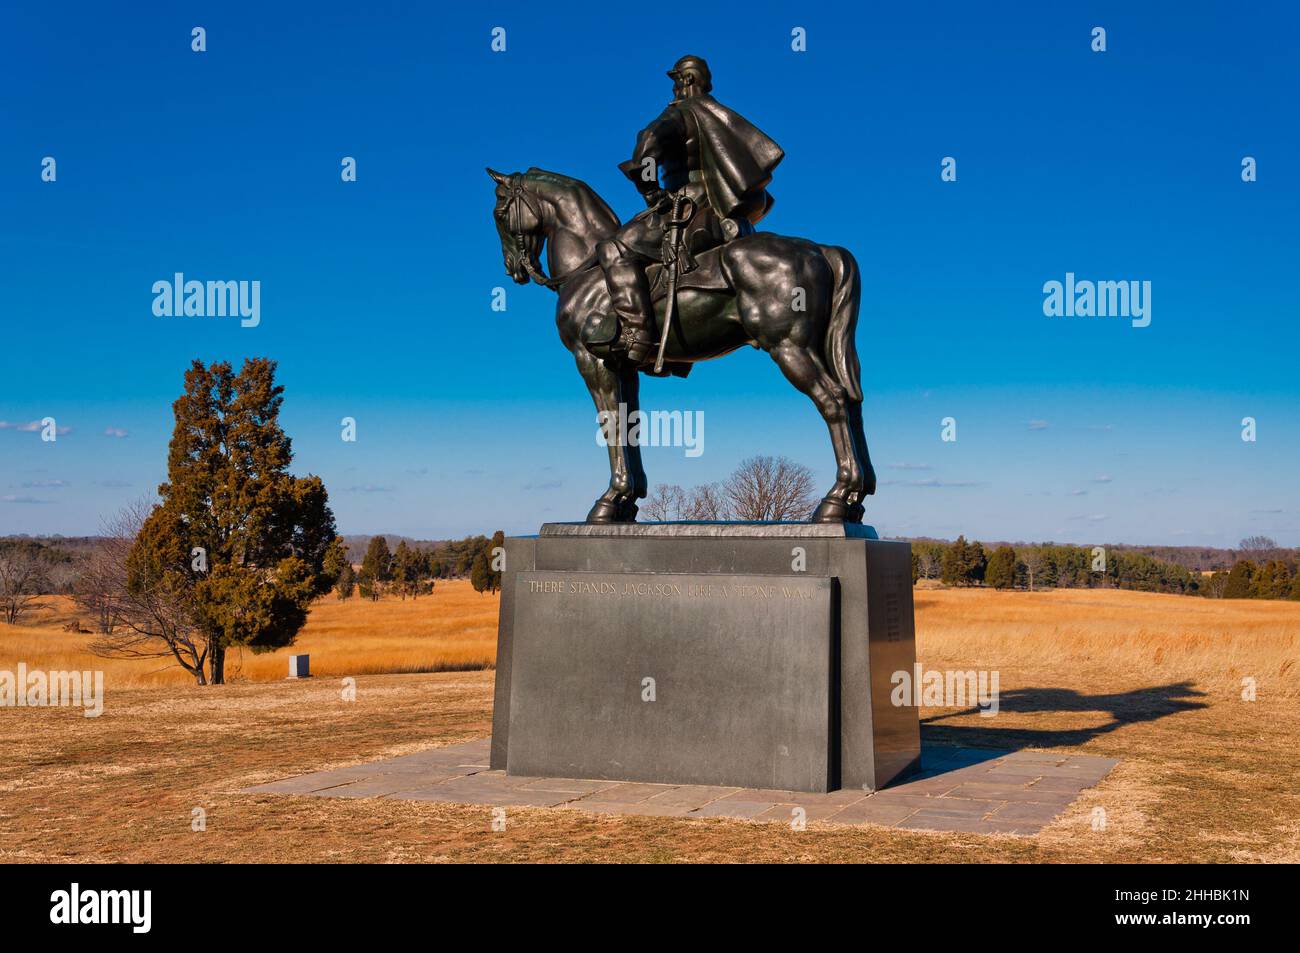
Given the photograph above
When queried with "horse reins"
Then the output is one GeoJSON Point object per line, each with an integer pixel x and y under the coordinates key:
{"type": "Point", "coordinates": [515, 225]}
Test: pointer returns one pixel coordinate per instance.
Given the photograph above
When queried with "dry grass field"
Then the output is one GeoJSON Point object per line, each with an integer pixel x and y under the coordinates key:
{"type": "Point", "coordinates": [454, 629]}
{"type": "Point", "coordinates": [1153, 680]}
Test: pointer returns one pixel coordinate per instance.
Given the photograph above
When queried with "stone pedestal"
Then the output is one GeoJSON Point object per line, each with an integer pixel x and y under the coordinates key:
{"type": "Point", "coordinates": [741, 654]}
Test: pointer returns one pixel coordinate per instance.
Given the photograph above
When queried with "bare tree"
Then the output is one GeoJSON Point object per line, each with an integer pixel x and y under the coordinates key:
{"type": "Point", "coordinates": [1035, 561]}
{"type": "Point", "coordinates": [1257, 544]}
{"type": "Point", "coordinates": [769, 488]}
{"type": "Point", "coordinates": [24, 577]}
{"type": "Point", "coordinates": [664, 503]}
{"type": "Point", "coordinates": [137, 619]}
{"type": "Point", "coordinates": [705, 502]}
{"type": "Point", "coordinates": [1261, 549]}
{"type": "Point", "coordinates": [928, 561]}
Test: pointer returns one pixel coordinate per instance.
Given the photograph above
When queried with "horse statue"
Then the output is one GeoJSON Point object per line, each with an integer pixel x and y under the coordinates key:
{"type": "Point", "coordinates": [793, 298]}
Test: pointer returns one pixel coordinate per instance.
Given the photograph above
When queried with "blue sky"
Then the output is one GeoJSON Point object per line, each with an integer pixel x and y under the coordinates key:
{"type": "Point", "coordinates": [376, 294]}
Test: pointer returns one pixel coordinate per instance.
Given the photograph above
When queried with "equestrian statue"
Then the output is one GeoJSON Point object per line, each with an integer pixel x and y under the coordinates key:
{"type": "Point", "coordinates": [690, 279]}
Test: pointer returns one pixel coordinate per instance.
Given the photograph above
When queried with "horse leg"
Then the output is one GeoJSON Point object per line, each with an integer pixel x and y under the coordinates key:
{"type": "Point", "coordinates": [609, 392]}
{"type": "Point", "coordinates": [804, 368]}
{"type": "Point", "coordinates": [868, 486]}
{"type": "Point", "coordinates": [630, 387]}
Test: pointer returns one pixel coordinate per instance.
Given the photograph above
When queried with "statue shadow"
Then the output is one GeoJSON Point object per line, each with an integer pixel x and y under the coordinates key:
{"type": "Point", "coordinates": [989, 740]}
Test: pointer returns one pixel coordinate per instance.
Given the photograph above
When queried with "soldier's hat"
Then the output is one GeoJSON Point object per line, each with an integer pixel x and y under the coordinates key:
{"type": "Point", "coordinates": [694, 65]}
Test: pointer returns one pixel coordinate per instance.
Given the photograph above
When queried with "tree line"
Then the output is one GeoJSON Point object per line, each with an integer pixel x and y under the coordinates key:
{"type": "Point", "coordinates": [411, 570]}
{"type": "Point", "coordinates": [1049, 565]}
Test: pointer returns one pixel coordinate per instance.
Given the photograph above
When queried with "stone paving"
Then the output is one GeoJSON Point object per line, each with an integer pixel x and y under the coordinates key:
{"type": "Point", "coordinates": [971, 790]}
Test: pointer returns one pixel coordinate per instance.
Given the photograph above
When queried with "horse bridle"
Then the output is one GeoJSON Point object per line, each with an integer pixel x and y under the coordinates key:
{"type": "Point", "coordinates": [516, 194]}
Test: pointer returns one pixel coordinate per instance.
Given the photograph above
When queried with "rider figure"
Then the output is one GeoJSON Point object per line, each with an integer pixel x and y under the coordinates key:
{"type": "Point", "coordinates": [703, 161]}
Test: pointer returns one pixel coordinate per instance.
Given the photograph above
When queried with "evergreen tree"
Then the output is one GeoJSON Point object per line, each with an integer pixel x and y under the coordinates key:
{"type": "Point", "coordinates": [1240, 580]}
{"type": "Point", "coordinates": [954, 563]}
{"type": "Point", "coordinates": [1001, 571]}
{"type": "Point", "coordinates": [346, 582]}
{"type": "Point", "coordinates": [336, 557]}
{"type": "Point", "coordinates": [976, 562]}
{"type": "Point", "coordinates": [405, 571]}
{"type": "Point", "coordinates": [480, 574]}
{"type": "Point", "coordinates": [238, 540]}
{"type": "Point", "coordinates": [496, 555]}
{"type": "Point", "coordinates": [376, 568]}
{"type": "Point", "coordinates": [1273, 581]}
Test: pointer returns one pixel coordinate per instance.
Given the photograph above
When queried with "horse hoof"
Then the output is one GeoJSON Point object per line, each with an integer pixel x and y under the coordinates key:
{"type": "Point", "coordinates": [604, 511]}
{"type": "Point", "coordinates": [831, 511]}
{"type": "Point", "coordinates": [607, 511]}
{"type": "Point", "coordinates": [856, 512]}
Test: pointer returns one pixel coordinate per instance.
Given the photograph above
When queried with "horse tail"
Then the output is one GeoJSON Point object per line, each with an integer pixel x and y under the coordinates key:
{"type": "Point", "coordinates": [841, 349]}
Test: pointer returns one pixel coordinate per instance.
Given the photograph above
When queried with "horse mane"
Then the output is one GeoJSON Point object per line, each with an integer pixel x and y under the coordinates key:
{"type": "Point", "coordinates": [594, 207]}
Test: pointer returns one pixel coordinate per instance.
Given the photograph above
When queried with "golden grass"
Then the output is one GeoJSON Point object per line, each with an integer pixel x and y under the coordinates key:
{"type": "Point", "coordinates": [1152, 680]}
{"type": "Point", "coordinates": [1096, 632]}
{"type": "Point", "coordinates": [454, 629]}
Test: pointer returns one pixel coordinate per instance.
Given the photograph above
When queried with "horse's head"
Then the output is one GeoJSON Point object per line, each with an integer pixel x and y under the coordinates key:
{"type": "Point", "coordinates": [518, 217]}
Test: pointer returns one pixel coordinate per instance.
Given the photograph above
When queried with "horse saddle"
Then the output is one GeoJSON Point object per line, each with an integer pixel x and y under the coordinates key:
{"type": "Point", "coordinates": [600, 331]}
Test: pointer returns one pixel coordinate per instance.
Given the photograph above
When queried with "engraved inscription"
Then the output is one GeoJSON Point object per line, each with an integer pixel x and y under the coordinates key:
{"type": "Point", "coordinates": [621, 588]}
{"type": "Point", "coordinates": [893, 607]}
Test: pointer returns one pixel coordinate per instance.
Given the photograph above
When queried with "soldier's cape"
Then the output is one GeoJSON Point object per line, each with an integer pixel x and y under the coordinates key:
{"type": "Point", "coordinates": [737, 158]}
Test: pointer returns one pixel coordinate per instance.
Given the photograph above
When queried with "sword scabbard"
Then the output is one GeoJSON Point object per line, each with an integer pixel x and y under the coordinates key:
{"type": "Point", "coordinates": [670, 304]}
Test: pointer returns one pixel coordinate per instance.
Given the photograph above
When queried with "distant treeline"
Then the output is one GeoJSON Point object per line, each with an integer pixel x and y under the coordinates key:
{"type": "Point", "coordinates": [413, 568]}
{"type": "Point", "coordinates": [31, 567]}
{"type": "Point", "coordinates": [962, 563]}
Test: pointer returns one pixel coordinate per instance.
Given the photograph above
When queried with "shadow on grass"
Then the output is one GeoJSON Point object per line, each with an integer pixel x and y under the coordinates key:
{"type": "Point", "coordinates": [1124, 708]}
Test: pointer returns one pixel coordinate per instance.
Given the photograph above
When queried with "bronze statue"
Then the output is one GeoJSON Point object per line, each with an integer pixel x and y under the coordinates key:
{"type": "Point", "coordinates": [692, 264]}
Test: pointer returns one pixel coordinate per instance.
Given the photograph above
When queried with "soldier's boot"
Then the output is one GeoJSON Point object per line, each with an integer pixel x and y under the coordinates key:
{"type": "Point", "coordinates": [629, 292]}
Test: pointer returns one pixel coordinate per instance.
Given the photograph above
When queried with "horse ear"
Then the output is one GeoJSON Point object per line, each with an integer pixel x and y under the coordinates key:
{"type": "Point", "coordinates": [499, 177]}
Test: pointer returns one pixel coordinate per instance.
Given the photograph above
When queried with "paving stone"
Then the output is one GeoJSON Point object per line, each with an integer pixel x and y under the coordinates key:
{"type": "Point", "coordinates": [745, 810]}
{"type": "Point", "coordinates": [939, 755]}
{"type": "Point", "coordinates": [935, 786]}
{"type": "Point", "coordinates": [993, 826]}
{"type": "Point", "coordinates": [628, 792]}
{"type": "Point", "coordinates": [871, 811]}
{"type": "Point", "coordinates": [644, 809]}
{"type": "Point", "coordinates": [1059, 785]}
{"type": "Point", "coordinates": [690, 796]}
{"type": "Point", "coordinates": [576, 786]}
{"type": "Point", "coordinates": [1039, 757]}
{"type": "Point", "coordinates": [507, 780]}
{"type": "Point", "coordinates": [771, 795]}
{"type": "Point", "coordinates": [1018, 773]}
{"type": "Point", "coordinates": [1007, 792]}
{"type": "Point", "coordinates": [813, 812]}
{"type": "Point", "coordinates": [1021, 812]}
{"type": "Point", "coordinates": [380, 786]}
{"type": "Point", "coordinates": [948, 806]}
{"type": "Point", "coordinates": [968, 790]}
{"type": "Point", "coordinates": [841, 798]}
{"type": "Point", "coordinates": [504, 798]}
{"type": "Point", "coordinates": [476, 786]}
{"type": "Point", "coordinates": [923, 821]}
{"type": "Point", "coordinates": [304, 784]}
